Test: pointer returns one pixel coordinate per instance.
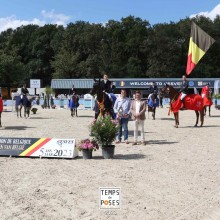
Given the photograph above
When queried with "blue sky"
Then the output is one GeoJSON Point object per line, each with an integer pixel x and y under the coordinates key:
{"type": "Point", "coordinates": [14, 13]}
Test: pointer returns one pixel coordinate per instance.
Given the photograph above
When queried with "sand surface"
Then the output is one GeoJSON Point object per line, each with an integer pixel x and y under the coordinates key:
{"type": "Point", "coordinates": [175, 176]}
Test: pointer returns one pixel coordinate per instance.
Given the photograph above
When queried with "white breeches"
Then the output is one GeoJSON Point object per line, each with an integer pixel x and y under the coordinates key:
{"type": "Point", "coordinates": [203, 95]}
{"type": "Point", "coordinates": [183, 95]}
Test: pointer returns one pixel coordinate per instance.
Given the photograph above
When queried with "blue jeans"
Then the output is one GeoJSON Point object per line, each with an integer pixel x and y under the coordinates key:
{"type": "Point", "coordinates": [123, 123]}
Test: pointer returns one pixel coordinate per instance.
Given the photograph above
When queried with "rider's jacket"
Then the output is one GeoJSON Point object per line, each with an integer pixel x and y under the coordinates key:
{"type": "Point", "coordinates": [184, 87]}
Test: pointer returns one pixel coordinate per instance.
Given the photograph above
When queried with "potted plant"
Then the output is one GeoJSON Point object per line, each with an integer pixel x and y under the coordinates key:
{"type": "Point", "coordinates": [104, 131]}
{"type": "Point", "coordinates": [34, 110]}
{"type": "Point", "coordinates": [87, 146]}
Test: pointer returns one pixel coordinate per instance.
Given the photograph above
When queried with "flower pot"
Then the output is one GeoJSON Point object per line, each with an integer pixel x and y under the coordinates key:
{"type": "Point", "coordinates": [108, 151]}
{"type": "Point", "coordinates": [87, 154]}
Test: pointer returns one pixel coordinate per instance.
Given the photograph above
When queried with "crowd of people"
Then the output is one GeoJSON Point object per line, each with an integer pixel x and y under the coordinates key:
{"type": "Point", "coordinates": [125, 108]}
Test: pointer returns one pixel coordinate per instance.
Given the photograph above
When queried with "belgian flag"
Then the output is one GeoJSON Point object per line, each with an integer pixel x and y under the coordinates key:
{"type": "Point", "coordinates": [199, 44]}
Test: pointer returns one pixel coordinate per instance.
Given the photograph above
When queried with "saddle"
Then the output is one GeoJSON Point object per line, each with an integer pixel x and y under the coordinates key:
{"type": "Point", "coordinates": [191, 102]}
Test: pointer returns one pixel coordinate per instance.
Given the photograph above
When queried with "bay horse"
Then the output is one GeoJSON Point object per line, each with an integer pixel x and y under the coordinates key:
{"type": "Point", "coordinates": [192, 102]}
{"type": "Point", "coordinates": [74, 104]}
{"type": "Point", "coordinates": [104, 102]}
{"type": "Point", "coordinates": [26, 102]}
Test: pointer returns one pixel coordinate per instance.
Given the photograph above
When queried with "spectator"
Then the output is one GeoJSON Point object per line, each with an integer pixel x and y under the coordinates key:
{"type": "Point", "coordinates": [138, 109]}
{"type": "Point", "coordinates": [122, 110]}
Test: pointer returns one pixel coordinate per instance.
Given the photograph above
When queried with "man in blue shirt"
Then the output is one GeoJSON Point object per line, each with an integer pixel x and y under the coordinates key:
{"type": "Point", "coordinates": [122, 110]}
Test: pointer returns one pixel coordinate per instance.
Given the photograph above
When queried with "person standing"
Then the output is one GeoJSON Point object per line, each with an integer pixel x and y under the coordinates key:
{"type": "Point", "coordinates": [138, 109]}
{"type": "Point", "coordinates": [184, 89]}
{"type": "Point", "coordinates": [206, 92]}
{"type": "Point", "coordinates": [122, 110]}
{"type": "Point", "coordinates": [207, 98]}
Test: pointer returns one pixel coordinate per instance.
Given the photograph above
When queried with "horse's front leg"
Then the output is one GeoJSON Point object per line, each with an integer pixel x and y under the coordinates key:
{"type": "Point", "coordinates": [71, 110]}
{"type": "Point", "coordinates": [25, 112]}
{"type": "Point", "coordinates": [154, 112]}
{"type": "Point", "coordinates": [16, 108]}
{"type": "Point", "coordinates": [0, 119]}
{"type": "Point", "coordinates": [28, 112]}
{"type": "Point", "coordinates": [197, 118]}
{"type": "Point", "coordinates": [76, 113]}
{"type": "Point", "coordinates": [201, 117]}
{"type": "Point", "coordinates": [210, 111]}
{"type": "Point", "coordinates": [178, 122]}
{"type": "Point", "coordinates": [20, 108]}
{"type": "Point", "coordinates": [176, 119]}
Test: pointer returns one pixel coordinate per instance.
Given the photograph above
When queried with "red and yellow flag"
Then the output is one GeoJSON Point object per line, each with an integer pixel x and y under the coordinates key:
{"type": "Point", "coordinates": [199, 44]}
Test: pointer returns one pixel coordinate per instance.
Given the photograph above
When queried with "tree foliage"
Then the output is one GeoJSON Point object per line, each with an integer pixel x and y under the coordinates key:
{"type": "Point", "coordinates": [130, 47]}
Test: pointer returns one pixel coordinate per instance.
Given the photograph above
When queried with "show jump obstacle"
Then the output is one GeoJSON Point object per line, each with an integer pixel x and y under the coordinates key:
{"type": "Point", "coordinates": [38, 147]}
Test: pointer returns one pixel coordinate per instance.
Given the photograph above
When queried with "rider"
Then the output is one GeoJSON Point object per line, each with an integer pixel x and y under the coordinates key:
{"type": "Point", "coordinates": [72, 91]}
{"type": "Point", "coordinates": [106, 83]}
{"type": "Point", "coordinates": [184, 89]}
{"type": "Point", "coordinates": [153, 90]}
{"type": "Point", "coordinates": [24, 91]}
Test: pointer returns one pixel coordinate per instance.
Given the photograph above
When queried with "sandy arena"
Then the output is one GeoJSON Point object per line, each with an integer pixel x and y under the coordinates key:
{"type": "Point", "coordinates": [176, 176]}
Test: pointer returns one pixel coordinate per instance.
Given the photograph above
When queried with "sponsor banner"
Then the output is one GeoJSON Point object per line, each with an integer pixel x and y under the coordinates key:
{"type": "Point", "coordinates": [38, 147]}
{"type": "Point", "coordinates": [35, 83]}
{"type": "Point", "coordinates": [146, 83]}
{"type": "Point", "coordinates": [110, 197]}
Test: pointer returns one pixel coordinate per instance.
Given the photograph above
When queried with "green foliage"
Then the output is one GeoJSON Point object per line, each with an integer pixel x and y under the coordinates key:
{"type": "Point", "coordinates": [49, 90]}
{"type": "Point", "coordinates": [51, 101]}
{"type": "Point", "coordinates": [130, 47]}
{"type": "Point", "coordinates": [217, 96]}
{"type": "Point", "coordinates": [104, 130]}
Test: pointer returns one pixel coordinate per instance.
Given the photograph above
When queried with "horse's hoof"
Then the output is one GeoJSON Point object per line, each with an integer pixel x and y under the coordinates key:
{"type": "Point", "coordinates": [195, 125]}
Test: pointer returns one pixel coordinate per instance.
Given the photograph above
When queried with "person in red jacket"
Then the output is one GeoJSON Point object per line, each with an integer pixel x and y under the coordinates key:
{"type": "Point", "coordinates": [207, 97]}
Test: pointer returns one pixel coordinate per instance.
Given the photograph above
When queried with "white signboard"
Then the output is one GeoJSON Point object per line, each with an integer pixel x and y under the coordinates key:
{"type": "Point", "coordinates": [60, 148]}
{"type": "Point", "coordinates": [35, 83]}
{"type": "Point", "coordinates": [110, 197]}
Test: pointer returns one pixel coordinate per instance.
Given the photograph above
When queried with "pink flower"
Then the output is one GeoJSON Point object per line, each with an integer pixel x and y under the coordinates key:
{"type": "Point", "coordinates": [90, 146]}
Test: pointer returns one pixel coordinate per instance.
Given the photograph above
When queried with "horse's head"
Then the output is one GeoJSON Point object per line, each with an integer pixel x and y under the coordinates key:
{"type": "Point", "coordinates": [97, 87]}
{"type": "Point", "coordinates": [31, 98]}
{"type": "Point", "coordinates": [165, 89]}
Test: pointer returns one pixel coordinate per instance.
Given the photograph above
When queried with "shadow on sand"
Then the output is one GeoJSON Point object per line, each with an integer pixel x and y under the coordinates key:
{"type": "Point", "coordinates": [17, 127]}
{"type": "Point", "coordinates": [40, 118]}
{"type": "Point", "coordinates": [124, 157]}
{"type": "Point", "coordinates": [161, 142]}
{"type": "Point", "coordinates": [167, 119]}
